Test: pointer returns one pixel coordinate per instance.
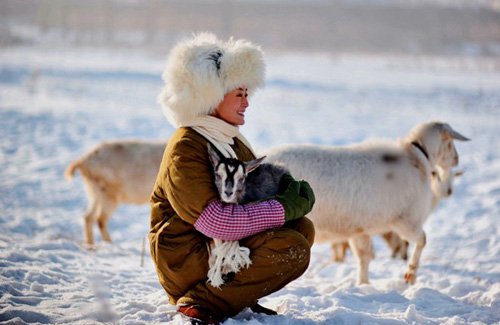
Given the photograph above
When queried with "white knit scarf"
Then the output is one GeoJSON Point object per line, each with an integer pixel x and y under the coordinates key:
{"type": "Point", "coordinates": [225, 256]}
{"type": "Point", "coordinates": [220, 133]}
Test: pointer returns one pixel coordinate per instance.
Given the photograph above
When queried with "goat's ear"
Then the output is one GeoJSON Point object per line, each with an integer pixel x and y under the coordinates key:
{"type": "Point", "coordinates": [213, 156]}
{"type": "Point", "coordinates": [459, 173]}
{"type": "Point", "coordinates": [447, 129]}
{"type": "Point", "coordinates": [253, 164]}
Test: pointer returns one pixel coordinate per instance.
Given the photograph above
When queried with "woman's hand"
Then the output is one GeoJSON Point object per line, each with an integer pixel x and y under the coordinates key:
{"type": "Point", "coordinates": [296, 197]}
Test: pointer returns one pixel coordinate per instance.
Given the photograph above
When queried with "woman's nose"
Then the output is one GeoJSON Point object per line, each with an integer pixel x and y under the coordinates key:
{"type": "Point", "coordinates": [244, 102]}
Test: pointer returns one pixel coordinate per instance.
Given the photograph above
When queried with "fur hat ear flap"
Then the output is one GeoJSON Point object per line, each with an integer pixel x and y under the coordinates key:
{"type": "Point", "coordinates": [242, 66]}
{"type": "Point", "coordinates": [201, 70]}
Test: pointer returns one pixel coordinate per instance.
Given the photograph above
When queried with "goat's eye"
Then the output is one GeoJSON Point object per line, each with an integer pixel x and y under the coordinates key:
{"type": "Point", "coordinates": [433, 174]}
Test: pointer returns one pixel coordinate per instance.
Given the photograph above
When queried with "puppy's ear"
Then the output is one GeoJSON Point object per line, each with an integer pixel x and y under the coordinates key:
{"type": "Point", "coordinates": [213, 155]}
{"type": "Point", "coordinates": [253, 164]}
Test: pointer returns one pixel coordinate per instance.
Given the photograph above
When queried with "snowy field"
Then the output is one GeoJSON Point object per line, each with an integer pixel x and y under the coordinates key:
{"type": "Point", "coordinates": [56, 104]}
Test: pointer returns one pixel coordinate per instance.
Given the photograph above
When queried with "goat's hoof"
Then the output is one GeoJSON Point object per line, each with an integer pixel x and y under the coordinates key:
{"type": "Point", "coordinates": [410, 277]}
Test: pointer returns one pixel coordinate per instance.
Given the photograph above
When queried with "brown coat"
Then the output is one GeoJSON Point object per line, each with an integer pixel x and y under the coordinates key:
{"type": "Point", "coordinates": [183, 189]}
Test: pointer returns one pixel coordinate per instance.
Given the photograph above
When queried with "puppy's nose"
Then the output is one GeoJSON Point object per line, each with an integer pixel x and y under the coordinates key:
{"type": "Point", "coordinates": [228, 193]}
{"type": "Point", "coordinates": [450, 192]}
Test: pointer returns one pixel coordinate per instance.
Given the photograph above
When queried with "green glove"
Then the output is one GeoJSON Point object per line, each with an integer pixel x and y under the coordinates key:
{"type": "Point", "coordinates": [297, 197]}
{"type": "Point", "coordinates": [285, 181]}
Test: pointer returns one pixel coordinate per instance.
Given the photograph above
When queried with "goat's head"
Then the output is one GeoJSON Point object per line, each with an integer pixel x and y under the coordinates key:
{"type": "Point", "coordinates": [442, 181]}
{"type": "Point", "coordinates": [230, 175]}
{"type": "Point", "coordinates": [437, 139]}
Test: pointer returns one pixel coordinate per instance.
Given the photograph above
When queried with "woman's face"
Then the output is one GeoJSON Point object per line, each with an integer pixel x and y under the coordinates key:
{"type": "Point", "coordinates": [233, 106]}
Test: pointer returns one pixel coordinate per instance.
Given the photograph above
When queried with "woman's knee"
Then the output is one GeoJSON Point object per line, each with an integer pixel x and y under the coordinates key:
{"type": "Point", "coordinates": [301, 250]}
{"type": "Point", "coordinates": [293, 249]}
{"type": "Point", "coordinates": [285, 249]}
{"type": "Point", "coordinates": [305, 227]}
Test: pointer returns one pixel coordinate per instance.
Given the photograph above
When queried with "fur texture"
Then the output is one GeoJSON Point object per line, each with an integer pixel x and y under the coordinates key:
{"type": "Point", "coordinates": [113, 173]}
{"type": "Point", "coordinates": [373, 188]}
{"type": "Point", "coordinates": [263, 182]}
{"type": "Point", "coordinates": [442, 187]}
{"type": "Point", "coordinates": [201, 70]}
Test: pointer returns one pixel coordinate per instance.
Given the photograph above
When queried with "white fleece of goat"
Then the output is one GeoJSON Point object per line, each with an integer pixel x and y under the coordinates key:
{"type": "Point", "coordinates": [225, 256]}
{"type": "Point", "coordinates": [357, 187]}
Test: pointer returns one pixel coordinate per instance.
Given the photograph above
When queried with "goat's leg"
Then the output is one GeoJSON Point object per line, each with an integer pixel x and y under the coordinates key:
{"type": "Point", "coordinates": [339, 251]}
{"type": "Point", "coordinates": [102, 220]}
{"type": "Point", "coordinates": [89, 219]}
{"type": "Point", "coordinates": [389, 239]}
{"type": "Point", "coordinates": [411, 274]}
{"type": "Point", "coordinates": [414, 234]}
{"type": "Point", "coordinates": [398, 245]}
{"type": "Point", "coordinates": [403, 253]}
{"type": "Point", "coordinates": [93, 210]}
{"type": "Point", "coordinates": [362, 247]}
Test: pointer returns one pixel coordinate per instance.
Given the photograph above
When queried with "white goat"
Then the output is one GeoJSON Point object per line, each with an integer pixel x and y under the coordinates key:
{"type": "Point", "coordinates": [238, 182]}
{"type": "Point", "coordinates": [442, 187]}
{"type": "Point", "coordinates": [113, 173]}
{"type": "Point", "coordinates": [374, 188]}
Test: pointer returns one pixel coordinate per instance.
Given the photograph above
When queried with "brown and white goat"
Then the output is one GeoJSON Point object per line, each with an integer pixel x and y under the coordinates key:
{"type": "Point", "coordinates": [113, 173]}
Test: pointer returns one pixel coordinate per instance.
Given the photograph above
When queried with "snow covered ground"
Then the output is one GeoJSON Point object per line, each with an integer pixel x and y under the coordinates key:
{"type": "Point", "coordinates": [56, 104]}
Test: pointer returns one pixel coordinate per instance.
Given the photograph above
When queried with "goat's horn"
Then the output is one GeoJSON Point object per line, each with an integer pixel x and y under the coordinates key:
{"type": "Point", "coordinates": [454, 134]}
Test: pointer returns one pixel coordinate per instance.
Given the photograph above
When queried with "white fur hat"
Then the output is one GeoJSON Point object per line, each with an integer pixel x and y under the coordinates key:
{"type": "Point", "coordinates": [201, 70]}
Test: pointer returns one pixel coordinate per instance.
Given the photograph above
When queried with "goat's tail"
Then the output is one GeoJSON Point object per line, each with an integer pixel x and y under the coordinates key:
{"type": "Point", "coordinates": [70, 171]}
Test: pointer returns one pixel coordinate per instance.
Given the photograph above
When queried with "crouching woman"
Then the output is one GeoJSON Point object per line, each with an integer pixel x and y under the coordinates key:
{"type": "Point", "coordinates": [207, 82]}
